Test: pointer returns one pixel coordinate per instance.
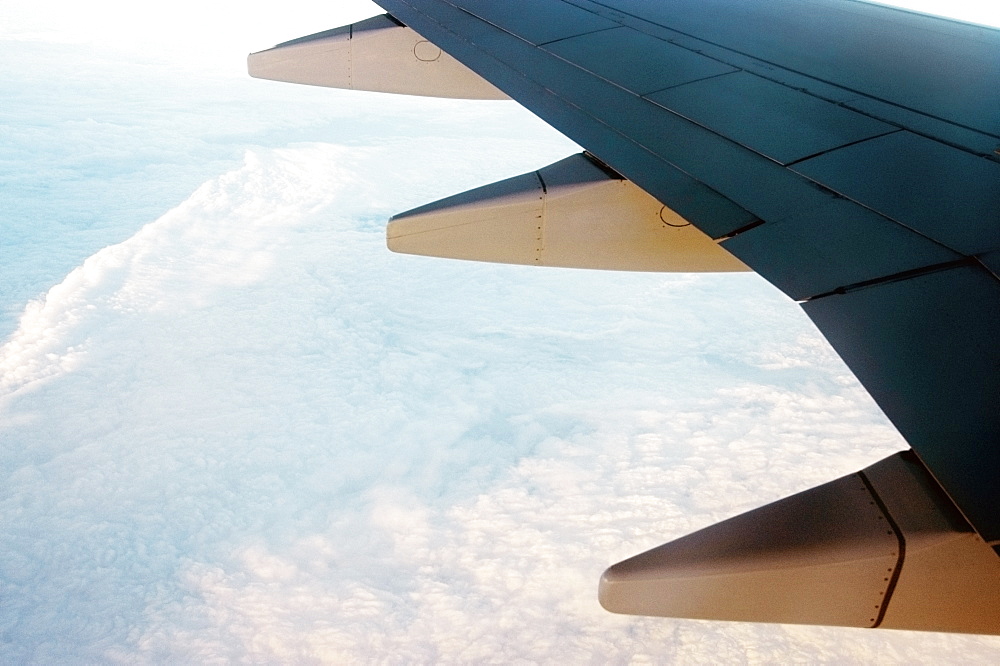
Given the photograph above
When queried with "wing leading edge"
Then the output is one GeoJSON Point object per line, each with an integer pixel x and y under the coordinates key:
{"type": "Point", "coordinates": [854, 164]}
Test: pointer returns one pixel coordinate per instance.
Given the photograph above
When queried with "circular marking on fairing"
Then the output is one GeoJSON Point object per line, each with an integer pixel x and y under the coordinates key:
{"type": "Point", "coordinates": [671, 219]}
{"type": "Point", "coordinates": [426, 52]}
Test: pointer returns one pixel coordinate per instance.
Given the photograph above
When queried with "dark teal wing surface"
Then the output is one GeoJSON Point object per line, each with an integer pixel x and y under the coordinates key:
{"type": "Point", "coordinates": [847, 152]}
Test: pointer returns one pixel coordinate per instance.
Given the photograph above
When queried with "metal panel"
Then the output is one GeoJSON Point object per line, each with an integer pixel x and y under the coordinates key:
{"type": "Point", "coordinates": [939, 191]}
{"type": "Point", "coordinates": [738, 60]}
{"type": "Point", "coordinates": [543, 21]}
{"type": "Point", "coordinates": [940, 67]}
{"type": "Point", "coordinates": [636, 61]}
{"type": "Point", "coordinates": [838, 244]}
{"type": "Point", "coordinates": [769, 118]}
{"type": "Point", "coordinates": [975, 142]}
{"type": "Point", "coordinates": [926, 349]}
{"type": "Point", "coordinates": [921, 123]}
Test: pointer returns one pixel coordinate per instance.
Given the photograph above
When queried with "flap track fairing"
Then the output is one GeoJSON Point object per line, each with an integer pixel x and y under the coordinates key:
{"type": "Point", "coordinates": [884, 547]}
{"type": "Point", "coordinates": [379, 55]}
{"type": "Point", "coordinates": [574, 213]}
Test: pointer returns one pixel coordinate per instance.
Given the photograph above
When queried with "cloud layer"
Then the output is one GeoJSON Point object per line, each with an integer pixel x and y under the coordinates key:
{"type": "Point", "coordinates": [249, 433]}
{"type": "Point", "coordinates": [243, 431]}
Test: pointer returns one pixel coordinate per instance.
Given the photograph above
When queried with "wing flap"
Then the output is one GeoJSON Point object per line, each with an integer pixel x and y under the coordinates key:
{"type": "Point", "coordinates": [773, 120]}
{"type": "Point", "coordinates": [833, 246]}
{"type": "Point", "coordinates": [650, 64]}
{"type": "Point", "coordinates": [545, 21]}
{"type": "Point", "coordinates": [941, 192]}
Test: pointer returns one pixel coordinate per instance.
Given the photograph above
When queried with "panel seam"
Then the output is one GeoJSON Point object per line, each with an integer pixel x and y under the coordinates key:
{"type": "Point", "coordinates": [634, 19]}
{"type": "Point", "coordinates": [896, 129]}
{"type": "Point", "coordinates": [896, 277]}
{"type": "Point", "coordinates": [900, 556]}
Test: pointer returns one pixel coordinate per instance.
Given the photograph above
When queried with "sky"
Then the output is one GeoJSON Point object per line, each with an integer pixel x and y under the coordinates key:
{"type": "Point", "coordinates": [233, 427]}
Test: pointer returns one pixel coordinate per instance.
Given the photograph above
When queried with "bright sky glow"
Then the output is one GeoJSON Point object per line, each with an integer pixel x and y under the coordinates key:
{"type": "Point", "coordinates": [188, 29]}
{"type": "Point", "coordinates": [234, 428]}
{"type": "Point", "coordinates": [973, 11]}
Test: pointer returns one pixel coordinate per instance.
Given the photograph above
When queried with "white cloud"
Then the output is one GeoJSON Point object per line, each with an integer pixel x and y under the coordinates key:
{"type": "Point", "coordinates": [247, 432]}
{"type": "Point", "coordinates": [279, 443]}
{"type": "Point", "coordinates": [94, 152]}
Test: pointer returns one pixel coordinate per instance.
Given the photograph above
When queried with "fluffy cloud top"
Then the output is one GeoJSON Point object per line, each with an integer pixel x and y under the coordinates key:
{"type": "Point", "coordinates": [245, 432]}
{"type": "Point", "coordinates": [249, 433]}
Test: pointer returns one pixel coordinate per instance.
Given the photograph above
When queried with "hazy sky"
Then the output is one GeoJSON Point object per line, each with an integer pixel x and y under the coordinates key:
{"type": "Point", "coordinates": [233, 427]}
{"type": "Point", "coordinates": [975, 11]}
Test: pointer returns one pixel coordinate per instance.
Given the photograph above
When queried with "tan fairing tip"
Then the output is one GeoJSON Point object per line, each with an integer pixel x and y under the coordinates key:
{"type": "Point", "coordinates": [573, 213]}
{"type": "Point", "coordinates": [378, 55]}
{"type": "Point", "coordinates": [880, 548]}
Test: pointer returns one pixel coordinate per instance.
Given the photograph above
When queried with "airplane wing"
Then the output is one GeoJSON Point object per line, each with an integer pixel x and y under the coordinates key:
{"type": "Point", "coordinates": [847, 152]}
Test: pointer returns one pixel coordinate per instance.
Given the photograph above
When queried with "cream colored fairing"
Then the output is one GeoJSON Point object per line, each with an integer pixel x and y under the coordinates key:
{"type": "Point", "coordinates": [573, 213]}
{"type": "Point", "coordinates": [881, 548]}
{"type": "Point", "coordinates": [377, 54]}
